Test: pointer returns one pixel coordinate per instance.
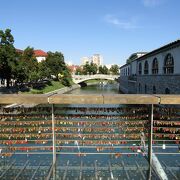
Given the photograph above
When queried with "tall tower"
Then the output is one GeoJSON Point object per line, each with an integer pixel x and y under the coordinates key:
{"type": "Point", "coordinates": [97, 59]}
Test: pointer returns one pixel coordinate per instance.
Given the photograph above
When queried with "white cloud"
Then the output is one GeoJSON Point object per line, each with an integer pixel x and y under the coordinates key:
{"type": "Point", "coordinates": [152, 3]}
{"type": "Point", "coordinates": [123, 24]}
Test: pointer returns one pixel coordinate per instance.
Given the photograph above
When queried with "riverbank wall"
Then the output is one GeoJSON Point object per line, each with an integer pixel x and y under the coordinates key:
{"type": "Point", "coordinates": [63, 90]}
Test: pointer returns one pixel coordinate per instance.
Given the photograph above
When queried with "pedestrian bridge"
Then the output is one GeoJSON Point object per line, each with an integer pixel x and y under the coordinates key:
{"type": "Point", "coordinates": [80, 78]}
{"type": "Point", "coordinates": [89, 136]}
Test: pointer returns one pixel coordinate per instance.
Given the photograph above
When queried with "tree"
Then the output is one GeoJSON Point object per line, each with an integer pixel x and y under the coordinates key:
{"type": "Point", "coordinates": [57, 67]}
{"type": "Point", "coordinates": [131, 58]}
{"type": "Point", "coordinates": [103, 70]}
{"type": "Point", "coordinates": [29, 65]}
{"type": "Point", "coordinates": [65, 78]}
{"type": "Point", "coordinates": [90, 68]}
{"type": "Point", "coordinates": [55, 62]}
{"type": "Point", "coordinates": [21, 75]}
{"type": "Point", "coordinates": [8, 60]}
{"type": "Point", "coordinates": [44, 70]}
{"type": "Point", "coordinates": [114, 69]}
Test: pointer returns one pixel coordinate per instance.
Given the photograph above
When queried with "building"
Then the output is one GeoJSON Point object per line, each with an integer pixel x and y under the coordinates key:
{"type": "Point", "coordinates": [97, 59]}
{"type": "Point", "coordinates": [73, 68]}
{"type": "Point", "coordinates": [40, 55]}
{"type": "Point", "coordinates": [85, 60]}
{"type": "Point", "coordinates": [156, 72]}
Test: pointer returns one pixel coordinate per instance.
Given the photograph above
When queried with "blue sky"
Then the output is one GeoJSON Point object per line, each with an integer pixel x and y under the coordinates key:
{"type": "Point", "coordinates": [77, 28]}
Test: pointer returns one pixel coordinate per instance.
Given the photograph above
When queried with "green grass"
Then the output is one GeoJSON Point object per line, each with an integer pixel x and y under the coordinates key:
{"type": "Point", "coordinates": [48, 88]}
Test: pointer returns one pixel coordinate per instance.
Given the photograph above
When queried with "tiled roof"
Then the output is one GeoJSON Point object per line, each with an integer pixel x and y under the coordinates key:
{"type": "Point", "coordinates": [40, 53]}
{"type": "Point", "coordinates": [19, 51]}
{"type": "Point", "coordinates": [73, 67]}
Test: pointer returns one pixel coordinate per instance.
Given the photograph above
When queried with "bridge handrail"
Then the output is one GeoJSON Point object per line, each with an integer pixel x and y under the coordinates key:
{"type": "Point", "coordinates": [89, 99]}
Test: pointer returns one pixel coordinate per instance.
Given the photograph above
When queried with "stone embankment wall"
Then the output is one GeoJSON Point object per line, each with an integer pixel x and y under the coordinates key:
{"type": "Point", "coordinates": [63, 90]}
{"type": "Point", "coordinates": [160, 82]}
{"type": "Point", "coordinates": [123, 84]}
{"type": "Point", "coordinates": [145, 83]}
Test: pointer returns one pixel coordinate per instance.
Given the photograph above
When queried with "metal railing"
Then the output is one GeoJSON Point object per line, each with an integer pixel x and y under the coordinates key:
{"type": "Point", "coordinates": [110, 125]}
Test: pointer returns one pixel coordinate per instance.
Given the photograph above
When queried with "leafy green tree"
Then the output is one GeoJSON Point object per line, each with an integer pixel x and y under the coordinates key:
{"type": "Point", "coordinates": [57, 67]}
{"type": "Point", "coordinates": [131, 58]}
{"type": "Point", "coordinates": [90, 68]}
{"type": "Point", "coordinates": [29, 65]}
{"type": "Point", "coordinates": [44, 70]}
{"type": "Point", "coordinates": [114, 69]}
{"type": "Point", "coordinates": [21, 75]}
{"type": "Point", "coordinates": [8, 60]}
{"type": "Point", "coordinates": [65, 78]}
{"type": "Point", "coordinates": [103, 70]}
{"type": "Point", "coordinates": [55, 62]}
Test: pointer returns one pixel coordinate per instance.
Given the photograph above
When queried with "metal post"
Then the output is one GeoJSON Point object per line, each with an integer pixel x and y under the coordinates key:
{"type": "Point", "coordinates": [150, 137]}
{"type": "Point", "coordinates": [53, 133]}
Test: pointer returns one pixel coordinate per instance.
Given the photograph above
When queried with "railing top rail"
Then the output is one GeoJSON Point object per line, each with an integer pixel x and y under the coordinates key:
{"type": "Point", "coordinates": [90, 99]}
{"type": "Point", "coordinates": [23, 99]}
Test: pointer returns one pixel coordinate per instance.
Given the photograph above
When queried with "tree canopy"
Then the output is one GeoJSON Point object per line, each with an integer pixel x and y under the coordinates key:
{"type": "Point", "coordinates": [57, 67]}
{"type": "Point", "coordinates": [90, 68]}
{"type": "Point", "coordinates": [103, 70]}
{"type": "Point", "coordinates": [114, 69]}
{"type": "Point", "coordinates": [23, 66]}
{"type": "Point", "coordinates": [8, 60]}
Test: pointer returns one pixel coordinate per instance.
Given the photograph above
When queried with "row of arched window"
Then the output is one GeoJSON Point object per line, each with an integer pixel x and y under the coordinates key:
{"type": "Point", "coordinates": [125, 72]}
{"type": "Point", "coordinates": [167, 90]}
{"type": "Point", "coordinates": [168, 67]}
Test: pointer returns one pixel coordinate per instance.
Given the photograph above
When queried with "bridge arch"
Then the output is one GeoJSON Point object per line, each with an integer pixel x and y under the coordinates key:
{"type": "Point", "coordinates": [81, 78]}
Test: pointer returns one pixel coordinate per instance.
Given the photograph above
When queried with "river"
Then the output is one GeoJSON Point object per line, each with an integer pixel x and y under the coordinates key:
{"type": "Point", "coordinates": [97, 89]}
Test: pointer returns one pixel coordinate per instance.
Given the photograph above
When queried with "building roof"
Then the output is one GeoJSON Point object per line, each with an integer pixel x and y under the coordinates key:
{"type": "Point", "coordinates": [40, 53]}
{"type": "Point", "coordinates": [156, 51]}
{"type": "Point", "coordinates": [73, 67]}
{"type": "Point", "coordinates": [161, 49]}
{"type": "Point", "coordinates": [19, 51]}
{"type": "Point", "coordinates": [127, 64]}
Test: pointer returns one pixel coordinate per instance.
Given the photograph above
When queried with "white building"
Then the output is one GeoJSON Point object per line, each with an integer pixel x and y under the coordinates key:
{"type": "Point", "coordinates": [85, 60]}
{"type": "Point", "coordinates": [40, 55]}
{"type": "Point", "coordinates": [155, 72]}
{"type": "Point", "coordinates": [97, 59]}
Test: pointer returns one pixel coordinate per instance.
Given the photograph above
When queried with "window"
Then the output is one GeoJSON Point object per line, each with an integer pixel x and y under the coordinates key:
{"type": "Point", "coordinates": [167, 91]}
{"type": "Point", "coordinates": [146, 67]}
{"type": "Point", "coordinates": [145, 88]}
{"type": "Point", "coordinates": [155, 66]}
{"type": "Point", "coordinates": [140, 68]}
{"type": "Point", "coordinates": [154, 89]}
{"type": "Point", "coordinates": [169, 64]}
{"type": "Point", "coordinates": [139, 88]}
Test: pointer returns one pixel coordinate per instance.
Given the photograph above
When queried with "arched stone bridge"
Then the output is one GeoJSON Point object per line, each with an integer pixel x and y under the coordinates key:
{"type": "Point", "coordinates": [80, 78]}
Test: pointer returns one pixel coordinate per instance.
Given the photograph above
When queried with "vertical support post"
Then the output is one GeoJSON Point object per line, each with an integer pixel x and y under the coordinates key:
{"type": "Point", "coordinates": [53, 133]}
{"type": "Point", "coordinates": [150, 136]}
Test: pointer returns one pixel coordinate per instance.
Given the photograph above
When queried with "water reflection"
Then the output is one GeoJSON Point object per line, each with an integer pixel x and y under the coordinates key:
{"type": "Point", "coordinates": [97, 89]}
